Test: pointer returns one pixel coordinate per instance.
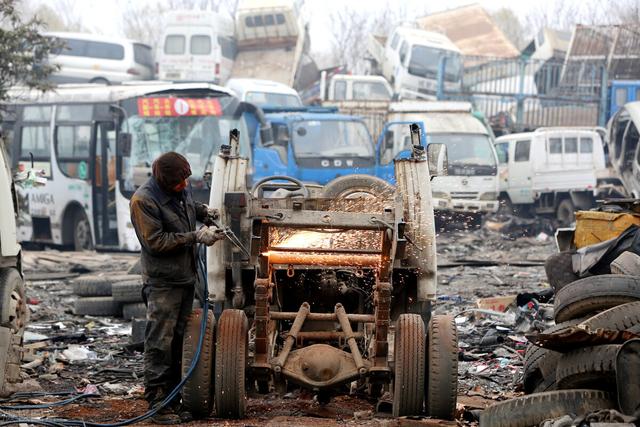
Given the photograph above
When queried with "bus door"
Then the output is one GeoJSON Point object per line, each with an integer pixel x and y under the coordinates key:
{"type": "Point", "coordinates": [104, 195]}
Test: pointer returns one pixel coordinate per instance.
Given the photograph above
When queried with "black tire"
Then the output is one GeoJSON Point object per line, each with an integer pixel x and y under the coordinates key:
{"type": "Point", "coordinates": [82, 237]}
{"type": "Point", "coordinates": [588, 367]}
{"type": "Point", "coordinates": [409, 359]}
{"type": "Point", "coordinates": [565, 212]}
{"type": "Point", "coordinates": [627, 263]}
{"type": "Point", "coordinates": [559, 270]}
{"type": "Point", "coordinates": [14, 313]}
{"type": "Point", "coordinates": [98, 285]}
{"type": "Point", "coordinates": [593, 294]}
{"type": "Point", "coordinates": [136, 310]}
{"type": "Point", "coordinates": [531, 410]}
{"type": "Point", "coordinates": [620, 318]}
{"type": "Point", "coordinates": [128, 291]}
{"type": "Point", "coordinates": [540, 363]}
{"type": "Point", "coordinates": [442, 368]}
{"type": "Point", "coordinates": [628, 376]}
{"type": "Point", "coordinates": [352, 185]}
{"type": "Point", "coordinates": [197, 394]}
{"type": "Point", "coordinates": [97, 306]}
{"type": "Point", "coordinates": [138, 330]}
{"type": "Point", "coordinates": [231, 362]}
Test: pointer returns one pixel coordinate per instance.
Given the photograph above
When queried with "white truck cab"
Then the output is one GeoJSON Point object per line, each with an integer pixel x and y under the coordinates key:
{"type": "Point", "coordinates": [471, 185]}
{"type": "Point", "coordinates": [410, 61]}
{"type": "Point", "coordinates": [551, 170]}
{"type": "Point", "coordinates": [265, 92]}
{"type": "Point", "coordinates": [347, 87]}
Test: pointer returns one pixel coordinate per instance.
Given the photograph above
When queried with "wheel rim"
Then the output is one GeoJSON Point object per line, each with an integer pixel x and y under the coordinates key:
{"type": "Point", "coordinates": [17, 310]}
{"type": "Point", "coordinates": [83, 236]}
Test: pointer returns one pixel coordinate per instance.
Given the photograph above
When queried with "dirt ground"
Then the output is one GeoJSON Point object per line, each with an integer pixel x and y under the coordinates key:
{"type": "Point", "coordinates": [473, 265]}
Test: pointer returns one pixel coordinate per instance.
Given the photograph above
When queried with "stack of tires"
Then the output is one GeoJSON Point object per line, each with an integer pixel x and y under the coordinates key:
{"type": "Point", "coordinates": [584, 379]}
{"type": "Point", "coordinates": [129, 294]}
{"type": "Point", "coordinates": [118, 295]}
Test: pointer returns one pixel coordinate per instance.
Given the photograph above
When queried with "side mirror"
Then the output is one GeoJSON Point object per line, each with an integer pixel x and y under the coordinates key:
{"type": "Point", "coordinates": [124, 144]}
{"type": "Point", "coordinates": [437, 159]}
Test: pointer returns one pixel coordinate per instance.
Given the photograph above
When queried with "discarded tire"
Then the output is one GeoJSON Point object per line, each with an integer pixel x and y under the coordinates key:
{"type": "Point", "coordinates": [531, 410]}
{"type": "Point", "coordinates": [128, 291]}
{"type": "Point", "coordinates": [136, 268]}
{"type": "Point", "coordinates": [620, 318]}
{"type": "Point", "coordinates": [134, 311]}
{"type": "Point", "coordinates": [409, 360]}
{"type": "Point", "coordinates": [589, 367]}
{"type": "Point", "coordinates": [595, 293]}
{"type": "Point", "coordinates": [230, 364]}
{"type": "Point", "coordinates": [559, 269]}
{"type": "Point", "coordinates": [442, 368]}
{"type": "Point", "coordinates": [94, 285]}
{"type": "Point", "coordinates": [138, 330]}
{"type": "Point", "coordinates": [197, 394]}
{"type": "Point", "coordinates": [627, 263]}
{"type": "Point", "coordinates": [351, 185]}
{"type": "Point", "coordinates": [628, 376]}
{"type": "Point", "coordinates": [566, 212]}
{"type": "Point", "coordinates": [97, 306]}
{"type": "Point", "coordinates": [14, 313]}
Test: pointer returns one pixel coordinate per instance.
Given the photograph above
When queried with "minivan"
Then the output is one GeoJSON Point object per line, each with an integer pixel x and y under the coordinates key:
{"type": "Point", "coordinates": [99, 59]}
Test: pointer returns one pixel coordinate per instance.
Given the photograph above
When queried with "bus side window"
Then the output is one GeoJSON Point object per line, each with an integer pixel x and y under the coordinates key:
{"type": "Point", "coordinates": [72, 149]}
{"type": "Point", "coordinates": [34, 139]}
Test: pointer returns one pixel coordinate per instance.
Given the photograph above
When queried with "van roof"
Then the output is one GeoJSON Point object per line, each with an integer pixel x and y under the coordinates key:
{"type": "Point", "coordinates": [542, 131]}
{"type": "Point", "coordinates": [92, 37]}
{"type": "Point", "coordinates": [428, 38]}
{"type": "Point", "coordinates": [248, 85]}
{"type": "Point", "coordinates": [199, 17]}
{"type": "Point", "coordinates": [90, 92]}
{"type": "Point", "coordinates": [409, 106]}
{"type": "Point", "coordinates": [360, 78]}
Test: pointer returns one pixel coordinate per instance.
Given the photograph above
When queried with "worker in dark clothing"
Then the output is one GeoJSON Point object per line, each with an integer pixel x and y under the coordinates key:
{"type": "Point", "coordinates": [164, 216]}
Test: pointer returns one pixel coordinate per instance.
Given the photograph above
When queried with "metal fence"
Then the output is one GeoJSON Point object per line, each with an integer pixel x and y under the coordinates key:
{"type": "Point", "coordinates": [527, 94]}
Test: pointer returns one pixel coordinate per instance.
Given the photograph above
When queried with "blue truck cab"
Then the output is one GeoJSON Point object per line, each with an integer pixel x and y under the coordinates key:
{"type": "Point", "coordinates": [621, 93]}
{"type": "Point", "coordinates": [313, 144]}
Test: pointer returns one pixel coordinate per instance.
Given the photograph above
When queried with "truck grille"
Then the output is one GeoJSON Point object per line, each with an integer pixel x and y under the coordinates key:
{"type": "Point", "coordinates": [464, 195]}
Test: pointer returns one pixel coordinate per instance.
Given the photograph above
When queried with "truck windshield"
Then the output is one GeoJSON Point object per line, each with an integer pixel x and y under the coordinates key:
{"type": "Point", "coordinates": [196, 134]}
{"type": "Point", "coordinates": [273, 99]}
{"type": "Point", "coordinates": [469, 154]}
{"type": "Point", "coordinates": [424, 63]}
{"type": "Point", "coordinates": [331, 138]}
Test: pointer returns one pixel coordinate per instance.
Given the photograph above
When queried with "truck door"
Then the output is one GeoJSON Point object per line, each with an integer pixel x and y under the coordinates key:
{"type": "Point", "coordinates": [520, 171]}
{"type": "Point", "coordinates": [394, 143]}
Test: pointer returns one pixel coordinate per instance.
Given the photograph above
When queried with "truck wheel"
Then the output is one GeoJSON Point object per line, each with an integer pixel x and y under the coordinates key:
{"type": "Point", "coordinates": [565, 213]}
{"type": "Point", "coordinates": [230, 364]}
{"type": "Point", "coordinates": [589, 367]}
{"type": "Point", "coordinates": [197, 394]}
{"type": "Point", "coordinates": [358, 185]}
{"type": "Point", "coordinates": [531, 410]}
{"type": "Point", "coordinates": [82, 240]}
{"type": "Point", "coordinates": [593, 294]}
{"type": "Point", "coordinates": [442, 368]}
{"type": "Point", "coordinates": [409, 357]}
{"type": "Point", "coordinates": [14, 313]}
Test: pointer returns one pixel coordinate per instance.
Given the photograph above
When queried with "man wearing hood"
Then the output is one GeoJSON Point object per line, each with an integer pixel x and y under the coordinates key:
{"type": "Point", "coordinates": [164, 216]}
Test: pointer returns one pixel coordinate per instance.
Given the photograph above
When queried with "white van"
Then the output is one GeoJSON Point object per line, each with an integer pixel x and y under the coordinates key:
{"type": "Point", "coordinates": [551, 170]}
{"type": "Point", "coordinates": [346, 87]}
{"type": "Point", "coordinates": [197, 46]}
{"type": "Point", "coordinates": [99, 59]}
{"type": "Point", "coordinates": [410, 60]}
{"type": "Point", "coordinates": [264, 92]}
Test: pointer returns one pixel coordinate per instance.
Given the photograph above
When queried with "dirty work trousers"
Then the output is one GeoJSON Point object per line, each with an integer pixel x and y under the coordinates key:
{"type": "Point", "coordinates": [167, 311]}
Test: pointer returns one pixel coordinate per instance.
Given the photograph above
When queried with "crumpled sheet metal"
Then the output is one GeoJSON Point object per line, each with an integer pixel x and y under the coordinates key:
{"type": "Point", "coordinates": [579, 336]}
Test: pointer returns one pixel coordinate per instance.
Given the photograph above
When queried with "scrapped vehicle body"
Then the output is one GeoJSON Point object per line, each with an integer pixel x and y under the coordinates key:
{"type": "Point", "coordinates": [553, 171]}
{"type": "Point", "coordinates": [322, 282]}
{"type": "Point", "coordinates": [624, 153]}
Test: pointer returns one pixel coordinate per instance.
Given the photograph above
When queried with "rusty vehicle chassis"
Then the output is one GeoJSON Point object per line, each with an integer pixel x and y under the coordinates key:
{"type": "Point", "coordinates": [319, 366]}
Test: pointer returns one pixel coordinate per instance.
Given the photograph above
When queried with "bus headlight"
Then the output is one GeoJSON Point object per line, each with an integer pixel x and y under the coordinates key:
{"type": "Point", "coordinates": [491, 195]}
{"type": "Point", "coordinates": [439, 195]}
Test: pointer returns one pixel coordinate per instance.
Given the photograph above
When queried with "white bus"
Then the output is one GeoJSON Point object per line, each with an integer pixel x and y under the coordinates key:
{"type": "Point", "coordinates": [196, 46]}
{"type": "Point", "coordinates": [96, 145]}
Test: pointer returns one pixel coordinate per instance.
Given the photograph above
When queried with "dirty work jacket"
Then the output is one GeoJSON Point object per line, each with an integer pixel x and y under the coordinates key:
{"type": "Point", "coordinates": [166, 230]}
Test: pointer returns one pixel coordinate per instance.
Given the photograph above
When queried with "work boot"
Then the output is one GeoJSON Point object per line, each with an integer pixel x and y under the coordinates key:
{"type": "Point", "coordinates": [166, 416]}
{"type": "Point", "coordinates": [185, 415]}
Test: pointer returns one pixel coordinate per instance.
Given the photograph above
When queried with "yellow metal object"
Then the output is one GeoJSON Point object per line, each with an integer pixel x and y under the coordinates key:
{"type": "Point", "coordinates": [594, 227]}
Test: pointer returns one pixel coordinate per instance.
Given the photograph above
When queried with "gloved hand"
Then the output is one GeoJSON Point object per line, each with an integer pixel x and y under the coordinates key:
{"type": "Point", "coordinates": [209, 235]}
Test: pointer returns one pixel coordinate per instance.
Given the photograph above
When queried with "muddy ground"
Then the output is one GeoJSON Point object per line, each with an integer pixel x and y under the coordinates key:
{"type": "Point", "coordinates": [474, 264]}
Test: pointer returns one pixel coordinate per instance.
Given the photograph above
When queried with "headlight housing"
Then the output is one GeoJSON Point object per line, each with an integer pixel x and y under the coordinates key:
{"type": "Point", "coordinates": [439, 195]}
{"type": "Point", "coordinates": [491, 195]}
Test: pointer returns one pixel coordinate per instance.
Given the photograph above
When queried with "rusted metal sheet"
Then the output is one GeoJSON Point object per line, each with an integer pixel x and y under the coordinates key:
{"type": "Point", "coordinates": [579, 336]}
{"type": "Point", "coordinates": [472, 30]}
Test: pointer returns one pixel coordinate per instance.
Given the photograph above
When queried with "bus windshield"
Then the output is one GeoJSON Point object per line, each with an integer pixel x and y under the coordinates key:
{"type": "Point", "coordinates": [331, 138]}
{"type": "Point", "coordinates": [425, 60]}
{"type": "Point", "coordinates": [193, 127]}
{"type": "Point", "coordinates": [469, 154]}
